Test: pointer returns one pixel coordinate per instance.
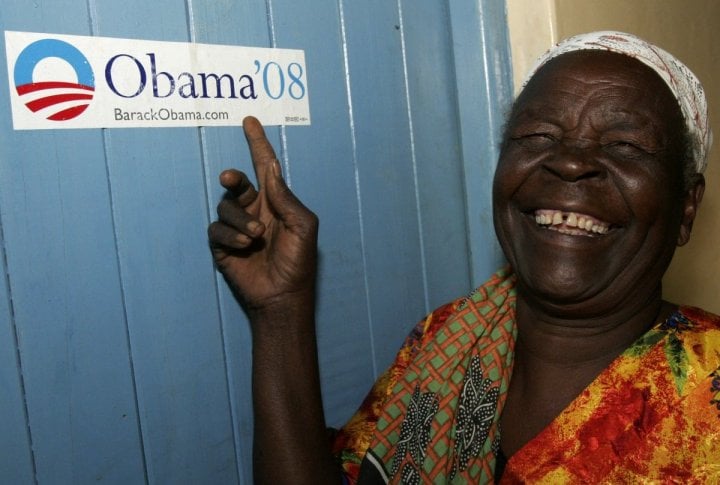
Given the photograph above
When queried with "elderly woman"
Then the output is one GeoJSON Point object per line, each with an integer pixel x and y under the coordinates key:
{"type": "Point", "coordinates": [571, 351]}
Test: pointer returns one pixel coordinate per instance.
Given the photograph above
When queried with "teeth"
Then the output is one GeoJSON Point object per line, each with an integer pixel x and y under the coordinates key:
{"type": "Point", "coordinates": [570, 222]}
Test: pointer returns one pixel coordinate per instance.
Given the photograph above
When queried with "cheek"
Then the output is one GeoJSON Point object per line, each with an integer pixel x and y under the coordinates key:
{"type": "Point", "coordinates": [505, 183]}
{"type": "Point", "coordinates": [657, 214]}
{"type": "Point", "coordinates": [652, 198]}
{"type": "Point", "coordinates": [509, 175]}
{"type": "Point", "coordinates": [509, 178]}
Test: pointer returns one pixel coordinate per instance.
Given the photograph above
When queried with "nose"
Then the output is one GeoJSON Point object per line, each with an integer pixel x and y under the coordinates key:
{"type": "Point", "coordinates": [575, 160]}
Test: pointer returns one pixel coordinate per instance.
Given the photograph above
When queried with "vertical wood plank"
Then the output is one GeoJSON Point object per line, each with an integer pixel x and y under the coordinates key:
{"type": "Point", "coordinates": [16, 460]}
{"type": "Point", "coordinates": [16, 456]}
{"type": "Point", "coordinates": [437, 151]}
{"type": "Point", "coordinates": [484, 84]}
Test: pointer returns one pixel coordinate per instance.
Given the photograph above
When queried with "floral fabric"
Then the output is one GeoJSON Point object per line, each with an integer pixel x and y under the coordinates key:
{"type": "Point", "coordinates": [653, 416]}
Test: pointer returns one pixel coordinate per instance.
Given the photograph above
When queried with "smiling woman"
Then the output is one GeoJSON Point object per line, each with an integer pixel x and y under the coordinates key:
{"type": "Point", "coordinates": [571, 351]}
{"type": "Point", "coordinates": [597, 134]}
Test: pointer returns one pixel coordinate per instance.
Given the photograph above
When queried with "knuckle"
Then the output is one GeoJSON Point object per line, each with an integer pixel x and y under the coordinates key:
{"type": "Point", "coordinates": [220, 208]}
{"type": "Point", "coordinates": [309, 223]}
{"type": "Point", "coordinates": [224, 209]}
{"type": "Point", "coordinates": [213, 231]}
{"type": "Point", "coordinates": [247, 197]}
{"type": "Point", "coordinates": [243, 184]}
{"type": "Point", "coordinates": [313, 219]}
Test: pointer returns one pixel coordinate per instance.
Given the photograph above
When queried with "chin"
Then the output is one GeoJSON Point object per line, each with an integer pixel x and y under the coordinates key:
{"type": "Point", "coordinates": [560, 284]}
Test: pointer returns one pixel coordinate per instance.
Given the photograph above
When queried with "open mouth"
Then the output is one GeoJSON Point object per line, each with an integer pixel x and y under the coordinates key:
{"type": "Point", "coordinates": [571, 223]}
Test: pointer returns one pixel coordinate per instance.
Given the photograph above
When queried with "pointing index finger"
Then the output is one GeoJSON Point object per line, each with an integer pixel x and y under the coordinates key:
{"type": "Point", "coordinates": [261, 150]}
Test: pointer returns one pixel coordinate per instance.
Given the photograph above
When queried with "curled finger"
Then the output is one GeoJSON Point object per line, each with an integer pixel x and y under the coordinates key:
{"type": "Point", "coordinates": [231, 213]}
{"type": "Point", "coordinates": [225, 238]}
{"type": "Point", "coordinates": [239, 187]}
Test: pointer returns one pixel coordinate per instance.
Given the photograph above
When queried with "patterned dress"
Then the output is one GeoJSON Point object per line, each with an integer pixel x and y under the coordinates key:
{"type": "Point", "coordinates": [653, 416]}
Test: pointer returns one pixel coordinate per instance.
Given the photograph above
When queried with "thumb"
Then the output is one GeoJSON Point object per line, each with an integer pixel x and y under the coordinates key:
{"type": "Point", "coordinates": [286, 206]}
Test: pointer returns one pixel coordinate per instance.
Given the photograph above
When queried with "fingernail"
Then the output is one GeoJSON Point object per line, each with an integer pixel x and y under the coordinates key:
{"type": "Point", "coordinates": [276, 168]}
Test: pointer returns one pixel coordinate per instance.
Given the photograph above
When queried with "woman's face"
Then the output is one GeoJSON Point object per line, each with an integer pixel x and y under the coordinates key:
{"type": "Point", "coordinates": [588, 198]}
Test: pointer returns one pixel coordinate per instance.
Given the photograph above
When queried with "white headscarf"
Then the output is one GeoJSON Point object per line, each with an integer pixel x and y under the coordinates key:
{"type": "Point", "coordinates": [684, 85]}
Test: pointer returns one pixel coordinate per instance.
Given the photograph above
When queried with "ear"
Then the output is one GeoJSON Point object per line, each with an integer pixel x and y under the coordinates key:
{"type": "Point", "coordinates": [693, 197]}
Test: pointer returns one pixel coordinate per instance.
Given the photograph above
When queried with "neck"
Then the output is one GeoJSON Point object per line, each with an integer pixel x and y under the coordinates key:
{"type": "Point", "coordinates": [547, 339]}
{"type": "Point", "coordinates": [556, 358]}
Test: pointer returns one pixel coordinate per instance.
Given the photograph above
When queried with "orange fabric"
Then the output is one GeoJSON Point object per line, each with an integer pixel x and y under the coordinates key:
{"type": "Point", "coordinates": [652, 415]}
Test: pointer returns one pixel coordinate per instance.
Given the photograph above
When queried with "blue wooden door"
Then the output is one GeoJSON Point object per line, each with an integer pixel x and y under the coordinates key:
{"type": "Point", "coordinates": [123, 357]}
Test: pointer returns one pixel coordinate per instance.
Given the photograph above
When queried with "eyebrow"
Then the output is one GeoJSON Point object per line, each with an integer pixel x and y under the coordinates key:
{"type": "Point", "coordinates": [548, 114]}
{"type": "Point", "coordinates": [620, 119]}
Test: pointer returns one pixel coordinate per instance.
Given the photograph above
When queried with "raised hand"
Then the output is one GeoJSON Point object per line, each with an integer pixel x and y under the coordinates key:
{"type": "Point", "coordinates": [265, 244]}
{"type": "Point", "coordinates": [265, 240]}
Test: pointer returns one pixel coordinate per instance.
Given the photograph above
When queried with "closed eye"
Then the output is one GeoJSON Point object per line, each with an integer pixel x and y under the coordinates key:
{"type": "Point", "coordinates": [625, 150]}
{"type": "Point", "coordinates": [535, 141]}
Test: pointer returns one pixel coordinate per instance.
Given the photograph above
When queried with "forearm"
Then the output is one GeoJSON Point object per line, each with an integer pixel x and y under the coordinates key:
{"type": "Point", "coordinates": [290, 439]}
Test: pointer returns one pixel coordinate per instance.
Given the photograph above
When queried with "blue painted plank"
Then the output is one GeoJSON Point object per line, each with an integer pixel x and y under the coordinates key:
{"type": "Point", "coordinates": [385, 173]}
{"type": "Point", "coordinates": [16, 460]}
{"type": "Point", "coordinates": [436, 148]}
{"type": "Point", "coordinates": [484, 84]}
{"type": "Point", "coordinates": [321, 167]}
{"type": "Point", "coordinates": [63, 278]}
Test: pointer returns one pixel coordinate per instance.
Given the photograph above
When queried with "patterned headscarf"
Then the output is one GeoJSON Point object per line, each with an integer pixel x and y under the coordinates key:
{"type": "Point", "coordinates": [684, 85]}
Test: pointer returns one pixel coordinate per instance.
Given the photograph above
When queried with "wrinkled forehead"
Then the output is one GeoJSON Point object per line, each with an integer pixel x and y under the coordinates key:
{"type": "Point", "coordinates": [599, 67]}
{"type": "Point", "coordinates": [635, 86]}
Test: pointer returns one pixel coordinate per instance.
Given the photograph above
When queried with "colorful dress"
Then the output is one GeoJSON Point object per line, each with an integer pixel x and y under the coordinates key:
{"type": "Point", "coordinates": [653, 416]}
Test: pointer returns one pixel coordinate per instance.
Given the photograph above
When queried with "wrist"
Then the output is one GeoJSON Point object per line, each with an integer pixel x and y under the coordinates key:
{"type": "Point", "coordinates": [285, 312]}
